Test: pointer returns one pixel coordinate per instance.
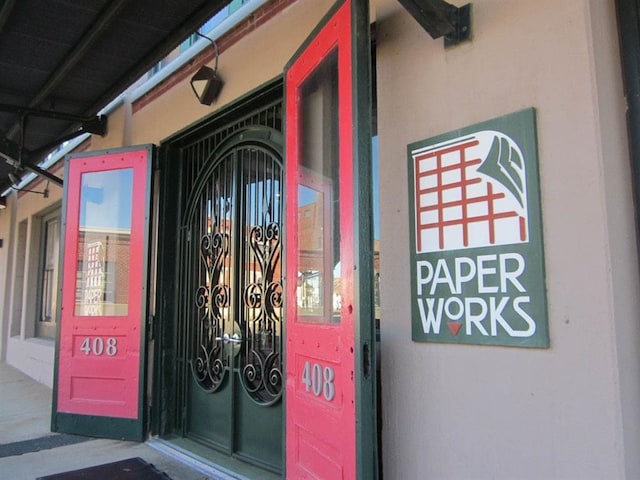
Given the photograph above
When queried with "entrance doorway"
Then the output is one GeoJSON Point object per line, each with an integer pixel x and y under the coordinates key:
{"type": "Point", "coordinates": [221, 285]}
{"type": "Point", "coordinates": [223, 388]}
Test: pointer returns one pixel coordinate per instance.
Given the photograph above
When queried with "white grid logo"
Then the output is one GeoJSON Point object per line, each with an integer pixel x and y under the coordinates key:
{"type": "Point", "coordinates": [470, 192]}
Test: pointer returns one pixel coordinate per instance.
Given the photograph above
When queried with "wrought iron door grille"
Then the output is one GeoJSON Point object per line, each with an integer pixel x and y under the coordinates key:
{"type": "Point", "coordinates": [212, 228]}
{"type": "Point", "coordinates": [260, 357]}
{"type": "Point", "coordinates": [230, 261]}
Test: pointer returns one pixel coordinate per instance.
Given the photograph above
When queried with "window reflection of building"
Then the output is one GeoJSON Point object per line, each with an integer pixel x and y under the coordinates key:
{"type": "Point", "coordinates": [102, 285]}
{"type": "Point", "coordinates": [103, 242]}
{"type": "Point", "coordinates": [311, 256]}
{"type": "Point", "coordinates": [312, 280]}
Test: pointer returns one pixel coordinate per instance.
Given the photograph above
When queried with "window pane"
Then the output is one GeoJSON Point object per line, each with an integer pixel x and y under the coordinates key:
{"type": "Point", "coordinates": [319, 297]}
{"type": "Point", "coordinates": [50, 268]}
{"type": "Point", "coordinates": [102, 279]}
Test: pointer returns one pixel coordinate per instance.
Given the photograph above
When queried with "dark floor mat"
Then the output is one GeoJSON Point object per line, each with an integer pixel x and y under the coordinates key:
{"type": "Point", "coordinates": [131, 468]}
{"type": "Point", "coordinates": [42, 443]}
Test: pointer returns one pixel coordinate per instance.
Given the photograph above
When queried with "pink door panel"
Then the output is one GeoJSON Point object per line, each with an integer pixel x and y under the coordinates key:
{"type": "Point", "coordinates": [103, 286]}
{"type": "Point", "coordinates": [320, 391]}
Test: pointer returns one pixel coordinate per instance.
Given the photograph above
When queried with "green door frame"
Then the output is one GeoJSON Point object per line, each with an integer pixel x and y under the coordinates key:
{"type": "Point", "coordinates": [164, 415]}
{"type": "Point", "coordinates": [366, 381]}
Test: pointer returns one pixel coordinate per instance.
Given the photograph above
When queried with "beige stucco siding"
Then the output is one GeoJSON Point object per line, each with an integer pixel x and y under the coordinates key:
{"type": "Point", "coordinates": [21, 223]}
{"type": "Point", "coordinates": [258, 58]}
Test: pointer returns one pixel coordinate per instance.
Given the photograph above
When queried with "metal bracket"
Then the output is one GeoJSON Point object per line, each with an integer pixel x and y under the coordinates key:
{"type": "Point", "coordinates": [441, 19]}
{"type": "Point", "coordinates": [10, 152]}
{"type": "Point", "coordinates": [96, 125]}
{"type": "Point", "coordinates": [461, 19]}
{"type": "Point", "coordinates": [16, 155]}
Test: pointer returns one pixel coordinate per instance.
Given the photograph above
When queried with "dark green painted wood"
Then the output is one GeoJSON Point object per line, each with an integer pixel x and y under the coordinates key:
{"type": "Point", "coordinates": [163, 370]}
{"type": "Point", "coordinates": [101, 427]}
{"type": "Point", "coordinates": [366, 419]}
{"type": "Point", "coordinates": [228, 419]}
{"type": "Point", "coordinates": [209, 417]}
{"type": "Point", "coordinates": [258, 431]}
{"type": "Point", "coordinates": [172, 384]}
{"type": "Point", "coordinates": [56, 360]}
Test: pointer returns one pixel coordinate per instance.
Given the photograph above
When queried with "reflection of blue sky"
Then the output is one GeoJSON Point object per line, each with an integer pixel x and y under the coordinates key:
{"type": "Point", "coordinates": [306, 195]}
{"type": "Point", "coordinates": [106, 200]}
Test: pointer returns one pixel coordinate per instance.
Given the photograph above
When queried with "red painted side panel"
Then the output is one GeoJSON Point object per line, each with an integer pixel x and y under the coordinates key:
{"type": "Point", "coordinates": [103, 285]}
{"type": "Point", "coordinates": [320, 392]}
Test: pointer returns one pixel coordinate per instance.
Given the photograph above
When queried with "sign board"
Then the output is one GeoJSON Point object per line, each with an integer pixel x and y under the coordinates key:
{"type": "Point", "coordinates": [477, 262]}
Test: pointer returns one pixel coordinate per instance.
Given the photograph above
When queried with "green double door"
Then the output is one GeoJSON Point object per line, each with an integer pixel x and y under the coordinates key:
{"type": "Point", "coordinates": [231, 295]}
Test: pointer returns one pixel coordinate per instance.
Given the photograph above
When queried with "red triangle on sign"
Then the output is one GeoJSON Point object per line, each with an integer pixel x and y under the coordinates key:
{"type": "Point", "coordinates": [454, 327]}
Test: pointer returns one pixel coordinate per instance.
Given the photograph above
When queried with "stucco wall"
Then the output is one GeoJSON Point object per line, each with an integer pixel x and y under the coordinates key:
{"type": "Point", "coordinates": [20, 225]}
{"type": "Point", "coordinates": [257, 58]}
{"type": "Point", "coordinates": [490, 412]}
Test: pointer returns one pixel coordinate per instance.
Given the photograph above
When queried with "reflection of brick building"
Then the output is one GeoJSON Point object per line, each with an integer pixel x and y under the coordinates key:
{"type": "Point", "coordinates": [312, 258]}
{"type": "Point", "coordinates": [269, 249]}
{"type": "Point", "coordinates": [103, 254]}
{"type": "Point", "coordinates": [376, 279]}
{"type": "Point", "coordinates": [311, 224]}
{"type": "Point", "coordinates": [310, 235]}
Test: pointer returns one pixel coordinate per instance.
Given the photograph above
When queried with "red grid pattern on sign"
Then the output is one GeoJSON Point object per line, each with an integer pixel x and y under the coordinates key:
{"type": "Point", "coordinates": [466, 199]}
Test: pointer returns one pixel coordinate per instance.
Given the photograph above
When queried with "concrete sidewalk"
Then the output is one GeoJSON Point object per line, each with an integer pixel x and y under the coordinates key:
{"type": "Point", "coordinates": [25, 409]}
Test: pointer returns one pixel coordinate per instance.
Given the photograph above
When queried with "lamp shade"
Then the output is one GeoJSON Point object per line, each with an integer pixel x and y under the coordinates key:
{"type": "Point", "coordinates": [206, 84]}
{"type": "Point", "coordinates": [3, 203]}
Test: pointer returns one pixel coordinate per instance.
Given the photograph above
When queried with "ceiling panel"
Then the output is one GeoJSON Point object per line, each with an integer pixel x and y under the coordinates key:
{"type": "Point", "coordinates": [75, 57]}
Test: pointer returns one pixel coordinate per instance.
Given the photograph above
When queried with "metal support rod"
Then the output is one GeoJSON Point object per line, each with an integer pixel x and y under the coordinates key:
{"type": "Point", "coordinates": [43, 150]}
{"type": "Point", "coordinates": [78, 53]}
{"type": "Point", "coordinates": [104, 21]}
{"type": "Point", "coordinates": [26, 111]}
{"type": "Point", "coordinates": [215, 46]}
{"type": "Point", "coordinates": [43, 173]}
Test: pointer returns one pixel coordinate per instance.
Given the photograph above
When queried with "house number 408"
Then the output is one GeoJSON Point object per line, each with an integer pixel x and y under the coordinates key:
{"type": "Point", "coordinates": [319, 380]}
{"type": "Point", "coordinates": [100, 346]}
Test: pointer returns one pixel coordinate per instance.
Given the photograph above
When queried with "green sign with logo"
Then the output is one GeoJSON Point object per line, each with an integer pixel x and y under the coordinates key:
{"type": "Point", "coordinates": [477, 260]}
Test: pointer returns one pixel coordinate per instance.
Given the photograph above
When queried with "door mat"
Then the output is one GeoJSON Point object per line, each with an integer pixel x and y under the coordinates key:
{"type": "Point", "coordinates": [42, 443]}
{"type": "Point", "coordinates": [131, 468]}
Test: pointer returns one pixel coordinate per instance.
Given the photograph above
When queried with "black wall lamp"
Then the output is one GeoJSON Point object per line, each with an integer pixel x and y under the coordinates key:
{"type": "Point", "coordinates": [3, 203]}
{"type": "Point", "coordinates": [206, 83]}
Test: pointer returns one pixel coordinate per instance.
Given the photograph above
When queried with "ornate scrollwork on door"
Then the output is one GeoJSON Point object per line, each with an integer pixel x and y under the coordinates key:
{"type": "Point", "coordinates": [236, 275]}
{"type": "Point", "coordinates": [261, 363]}
{"type": "Point", "coordinates": [212, 302]}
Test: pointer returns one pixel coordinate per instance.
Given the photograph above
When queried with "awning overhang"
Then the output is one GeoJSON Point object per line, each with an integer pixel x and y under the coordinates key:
{"type": "Point", "coordinates": [63, 61]}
